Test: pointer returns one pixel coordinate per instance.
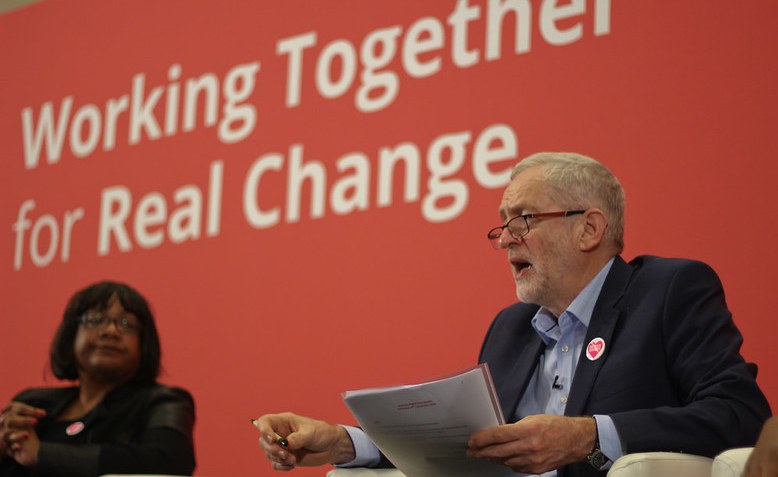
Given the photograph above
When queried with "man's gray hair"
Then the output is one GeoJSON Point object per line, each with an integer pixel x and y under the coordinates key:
{"type": "Point", "coordinates": [580, 182]}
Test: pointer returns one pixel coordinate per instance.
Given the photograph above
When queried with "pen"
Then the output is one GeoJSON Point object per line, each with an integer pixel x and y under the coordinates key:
{"type": "Point", "coordinates": [279, 440]}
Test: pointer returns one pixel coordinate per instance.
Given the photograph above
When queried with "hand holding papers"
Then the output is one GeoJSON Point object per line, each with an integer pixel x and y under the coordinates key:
{"type": "Point", "coordinates": [423, 428]}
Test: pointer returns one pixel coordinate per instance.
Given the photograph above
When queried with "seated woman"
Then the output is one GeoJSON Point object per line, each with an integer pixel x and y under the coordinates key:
{"type": "Point", "coordinates": [117, 419]}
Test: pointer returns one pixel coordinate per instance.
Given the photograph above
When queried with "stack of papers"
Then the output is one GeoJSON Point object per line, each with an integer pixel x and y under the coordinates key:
{"type": "Point", "coordinates": [423, 428]}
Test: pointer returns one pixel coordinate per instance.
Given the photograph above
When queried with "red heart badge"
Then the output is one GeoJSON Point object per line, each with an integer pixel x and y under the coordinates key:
{"type": "Point", "coordinates": [74, 428]}
{"type": "Point", "coordinates": [595, 349]}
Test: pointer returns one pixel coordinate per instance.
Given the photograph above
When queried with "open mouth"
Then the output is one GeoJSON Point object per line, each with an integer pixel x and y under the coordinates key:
{"type": "Point", "coordinates": [520, 267]}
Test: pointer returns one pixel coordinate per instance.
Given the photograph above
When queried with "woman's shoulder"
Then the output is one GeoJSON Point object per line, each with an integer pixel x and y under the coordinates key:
{"type": "Point", "coordinates": [45, 393]}
{"type": "Point", "coordinates": [164, 391]}
{"type": "Point", "coordinates": [152, 393]}
{"type": "Point", "coordinates": [45, 397]}
{"type": "Point", "coordinates": [168, 406]}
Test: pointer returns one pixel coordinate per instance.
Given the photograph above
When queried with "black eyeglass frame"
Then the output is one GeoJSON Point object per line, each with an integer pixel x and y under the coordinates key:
{"type": "Point", "coordinates": [123, 324]}
{"type": "Point", "coordinates": [494, 234]}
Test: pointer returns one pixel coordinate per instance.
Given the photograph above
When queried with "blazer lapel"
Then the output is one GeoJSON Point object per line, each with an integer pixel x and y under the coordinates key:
{"type": "Point", "coordinates": [521, 372]}
{"type": "Point", "coordinates": [603, 322]}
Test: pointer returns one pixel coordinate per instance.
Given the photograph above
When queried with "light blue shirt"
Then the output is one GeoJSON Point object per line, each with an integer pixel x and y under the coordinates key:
{"type": "Point", "coordinates": [564, 342]}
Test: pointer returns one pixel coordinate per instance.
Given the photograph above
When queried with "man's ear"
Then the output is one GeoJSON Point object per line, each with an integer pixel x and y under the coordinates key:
{"type": "Point", "coordinates": [593, 229]}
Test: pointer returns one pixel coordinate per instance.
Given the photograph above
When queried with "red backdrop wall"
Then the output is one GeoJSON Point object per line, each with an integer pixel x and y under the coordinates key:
{"type": "Point", "coordinates": [231, 160]}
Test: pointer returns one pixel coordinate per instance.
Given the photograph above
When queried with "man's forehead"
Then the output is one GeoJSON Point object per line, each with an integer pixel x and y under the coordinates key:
{"type": "Point", "coordinates": [525, 191]}
{"type": "Point", "coordinates": [511, 202]}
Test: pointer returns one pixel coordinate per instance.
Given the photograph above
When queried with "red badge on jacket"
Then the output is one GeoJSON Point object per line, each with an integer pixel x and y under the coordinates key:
{"type": "Point", "coordinates": [595, 348]}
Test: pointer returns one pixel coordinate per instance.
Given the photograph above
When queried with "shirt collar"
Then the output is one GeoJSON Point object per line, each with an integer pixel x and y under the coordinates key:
{"type": "Point", "coordinates": [581, 308]}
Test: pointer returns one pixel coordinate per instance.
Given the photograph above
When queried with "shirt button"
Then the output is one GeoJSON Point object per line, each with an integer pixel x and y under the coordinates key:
{"type": "Point", "coordinates": [565, 348]}
{"type": "Point", "coordinates": [563, 399]}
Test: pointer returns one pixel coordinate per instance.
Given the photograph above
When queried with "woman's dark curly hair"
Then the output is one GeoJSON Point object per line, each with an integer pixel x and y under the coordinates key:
{"type": "Point", "coordinates": [98, 296]}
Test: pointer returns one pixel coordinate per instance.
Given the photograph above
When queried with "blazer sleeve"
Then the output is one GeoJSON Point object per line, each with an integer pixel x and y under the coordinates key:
{"type": "Point", "coordinates": [162, 445]}
{"type": "Point", "coordinates": [718, 404]}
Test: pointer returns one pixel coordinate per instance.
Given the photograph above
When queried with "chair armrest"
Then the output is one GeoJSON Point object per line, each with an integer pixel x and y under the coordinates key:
{"type": "Point", "coordinates": [364, 472]}
{"type": "Point", "coordinates": [648, 464]}
{"type": "Point", "coordinates": [730, 463]}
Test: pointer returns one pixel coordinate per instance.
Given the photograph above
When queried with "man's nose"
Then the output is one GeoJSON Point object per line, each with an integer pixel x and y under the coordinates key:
{"type": "Point", "coordinates": [507, 239]}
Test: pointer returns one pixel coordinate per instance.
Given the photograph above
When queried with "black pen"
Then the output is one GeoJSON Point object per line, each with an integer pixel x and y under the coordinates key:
{"type": "Point", "coordinates": [279, 440]}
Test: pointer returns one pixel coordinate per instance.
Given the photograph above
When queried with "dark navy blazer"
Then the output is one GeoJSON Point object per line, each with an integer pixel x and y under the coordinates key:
{"type": "Point", "coordinates": [671, 376]}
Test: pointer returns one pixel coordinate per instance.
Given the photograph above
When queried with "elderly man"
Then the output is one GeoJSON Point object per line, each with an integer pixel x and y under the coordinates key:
{"type": "Point", "coordinates": [598, 359]}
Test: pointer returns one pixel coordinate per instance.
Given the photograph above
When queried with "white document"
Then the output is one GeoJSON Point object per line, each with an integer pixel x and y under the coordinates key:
{"type": "Point", "coordinates": [423, 428]}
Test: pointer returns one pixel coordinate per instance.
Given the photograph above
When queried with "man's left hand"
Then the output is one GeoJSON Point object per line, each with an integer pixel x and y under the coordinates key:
{"type": "Point", "coordinates": [536, 444]}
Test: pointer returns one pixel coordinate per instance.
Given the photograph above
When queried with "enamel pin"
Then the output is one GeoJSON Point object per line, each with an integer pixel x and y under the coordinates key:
{"type": "Point", "coordinates": [595, 349]}
{"type": "Point", "coordinates": [74, 428]}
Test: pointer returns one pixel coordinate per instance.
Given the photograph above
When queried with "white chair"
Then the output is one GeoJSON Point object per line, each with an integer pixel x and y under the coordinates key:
{"type": "Point", "coordinates": [363, 472]}
{"type": "Point", "coordinates": [654, 464]}
{"type": "Point", "coordinates": [730, 463]}
{"type": "Point", "coordinates": [647, 464]}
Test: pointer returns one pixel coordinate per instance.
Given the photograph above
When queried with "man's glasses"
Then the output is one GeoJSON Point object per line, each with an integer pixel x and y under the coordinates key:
{"type": "Point", "coordinates": [518, 226]}
{"type": "Point", "coordinates": [96, 321]}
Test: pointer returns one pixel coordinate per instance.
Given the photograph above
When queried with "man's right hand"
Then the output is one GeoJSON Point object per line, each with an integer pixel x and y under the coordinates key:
{"type": "Point", "coordinates": [310, 442]}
